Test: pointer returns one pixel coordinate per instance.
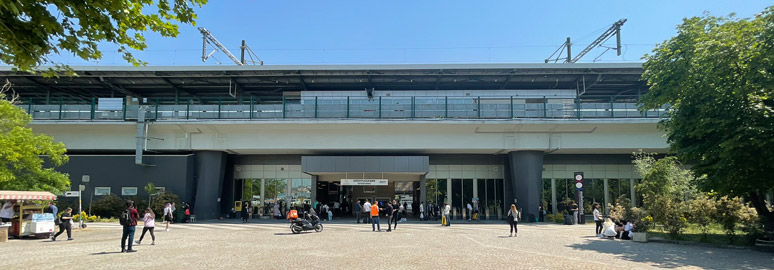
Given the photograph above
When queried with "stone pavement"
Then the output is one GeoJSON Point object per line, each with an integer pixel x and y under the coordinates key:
{"type": "Point", "coordinates": [343, 245]}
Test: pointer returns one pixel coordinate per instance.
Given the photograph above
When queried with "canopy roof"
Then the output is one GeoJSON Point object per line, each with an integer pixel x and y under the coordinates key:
{"type": "Point", "coordinates": [26, 195]}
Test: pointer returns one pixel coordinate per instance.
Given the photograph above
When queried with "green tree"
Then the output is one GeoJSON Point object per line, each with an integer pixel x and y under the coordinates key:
{"type": "Point", "coordinates": [21, 151]}
{"type": "Point", "coordinates": [717, 75]}
{"type": "Point", "coordinates": [150, 188]}
{"type": "Point", "coordinates": [31, 30]}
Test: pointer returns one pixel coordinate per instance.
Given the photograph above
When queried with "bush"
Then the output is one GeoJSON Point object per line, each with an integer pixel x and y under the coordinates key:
{"type": "Point", "coordinates": [160, 200]}
{"type": "Point", "coordinates": [701, 212]}
{"type": "Point", "coordinates": [729, 214]}
{"type": "Point", "coordinates": [640, 218]}
{"type": "Point", "coordinates": [751, 224]}
{"type": "Point", "coordinates": [108, 206]}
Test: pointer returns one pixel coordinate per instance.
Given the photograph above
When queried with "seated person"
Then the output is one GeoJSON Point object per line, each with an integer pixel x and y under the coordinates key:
{"type": "Point", "coordinates": [609, 230]}
{"type": "Point", "coordinates": [619, 228]}
{"type": "Point", "coordinates": [628, 231]}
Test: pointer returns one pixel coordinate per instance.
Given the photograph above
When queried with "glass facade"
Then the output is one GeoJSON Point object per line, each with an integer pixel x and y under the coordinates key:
{"type": "Point", "coordinates": [489, 193]}
{"type": "Point", "coordinates": [274, 192]}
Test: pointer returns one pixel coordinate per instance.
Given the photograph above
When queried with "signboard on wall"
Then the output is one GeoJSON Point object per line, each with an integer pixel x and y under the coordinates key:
{"type": "Point", "coordinates": [110, 104]}
{"type": "Point", "coordinates": [363, 182]}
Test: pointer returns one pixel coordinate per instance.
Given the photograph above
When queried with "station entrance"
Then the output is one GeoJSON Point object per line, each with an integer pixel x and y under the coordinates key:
{"type": "Point", "coordinates": [339, 188]}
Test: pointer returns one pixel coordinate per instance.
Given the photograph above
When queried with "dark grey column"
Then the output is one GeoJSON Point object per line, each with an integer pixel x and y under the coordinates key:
{"type": "Point", "coordinates": [423, 188]}
{"type": "Point", "coordinates": [210, 170]}
{"type": "Point", "coordinates": [313, 196]}
{"type": "Point", "coordinates": [526, 169]}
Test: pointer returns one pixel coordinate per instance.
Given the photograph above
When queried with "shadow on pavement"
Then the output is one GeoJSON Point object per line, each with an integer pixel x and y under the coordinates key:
{"type": "Point", "coordinates": [288, 233]}
{"type": "Point", "coordinates": [105, 253]}
{"type": "Point", "coordinates": [666, 256]}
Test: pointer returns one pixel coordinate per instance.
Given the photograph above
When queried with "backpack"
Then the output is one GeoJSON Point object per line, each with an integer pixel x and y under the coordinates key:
{"type": "Point", "coordinates": [126, 218]}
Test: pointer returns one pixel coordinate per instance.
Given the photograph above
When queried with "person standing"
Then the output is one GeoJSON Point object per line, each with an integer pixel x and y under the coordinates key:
{"type": "Point", "coordinates": [187, 212]}
{"type": "Point", "coordinates": [330, 213]}
{"type": "Point", "coordinates": [375, 217]}
{"type": "Point", "coordinates": [446, 211]}
{"type": "Point", "coordinates": [277, 211]}
{"type": "Point", "coordinates": [52, 209]}
{"type": "Point", "coordinates": [574, 213]}
{"type": "Point", "coordinates": [389, 213]}
{"type": "Point", "coordinates": [422, 211]}
{"type": "Point", "coordinates": [149, 224]}
{"type": "Point", "coordinates": [245, 212]}
{"type": "Point", "coordinates": [6, 214]}
{"type": "Point", "coordinates": [65, 225]}
{"type": "Point", "coordinates": [541, 213]}
{"type": "Point", "coordinates": [358, 210]}
{"type": "Point", "coordinates": [436, 211]}
{"type": "Point", "coordinates": [128, 221]}
{"type": "Point", "coordinates": [174, 209]}
{"type": "Point", "coordinates": [167, 215]}
{"type": "Point", "coordinates": [598, 220]}
{"type": "Point", "coordinates": [367, 212]}
{"type": "Point", "coordinates": [513, 219]}
{"type": "Point", "coordinates": [470, 211]}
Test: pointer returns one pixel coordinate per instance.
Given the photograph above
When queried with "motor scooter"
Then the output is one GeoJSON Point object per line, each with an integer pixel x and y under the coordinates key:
{"type": "Point", "coordinates": [308, 223]}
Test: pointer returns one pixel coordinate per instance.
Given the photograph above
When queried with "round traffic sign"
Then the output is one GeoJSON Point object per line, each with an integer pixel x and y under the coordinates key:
{"type": "Point", "coordinates": [579, 177]}
{"type": "Point", "coordinates": [578, 185]}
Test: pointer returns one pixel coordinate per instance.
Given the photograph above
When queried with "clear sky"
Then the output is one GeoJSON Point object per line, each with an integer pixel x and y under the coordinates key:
{"type": "Point", "coordinates": [423, 31]}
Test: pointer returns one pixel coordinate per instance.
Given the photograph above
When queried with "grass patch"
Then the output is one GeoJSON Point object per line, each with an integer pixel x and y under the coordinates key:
{"type": "Point", "coordinates": [715, 235]}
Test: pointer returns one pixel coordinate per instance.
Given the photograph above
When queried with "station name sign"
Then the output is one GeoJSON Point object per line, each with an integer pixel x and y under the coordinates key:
{"type": "Point", "coordinates": [363, 182]}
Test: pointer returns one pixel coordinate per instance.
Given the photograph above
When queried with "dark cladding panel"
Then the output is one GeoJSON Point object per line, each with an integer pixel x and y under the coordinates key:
{"type": "Point", "coordinates": [342, 164]}
{"type": "Point", "coordinates": [357, 165]}
{"type": "Point", "coordinates": [371, 164]}
{"type": "Point", "coordinates": [386, 164]}
{"type": "Point", "coordinates": [327, 164]}
{"type": "Point", "coordinates": [401, 164]}
{"type": "Point", "coordinates": [419, 163]}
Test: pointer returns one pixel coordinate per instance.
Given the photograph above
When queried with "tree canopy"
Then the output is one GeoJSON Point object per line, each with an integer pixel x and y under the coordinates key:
{"type": "Point", "coordinates": [21, 164]}
{"type": "Point", "coordinates": [717, 74]}
{"type": "Point", "coordinates": [30, 30]}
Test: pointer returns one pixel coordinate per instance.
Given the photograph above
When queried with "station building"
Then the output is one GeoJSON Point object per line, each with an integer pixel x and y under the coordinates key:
{"type": "Point", "coordinates": [490, 134]}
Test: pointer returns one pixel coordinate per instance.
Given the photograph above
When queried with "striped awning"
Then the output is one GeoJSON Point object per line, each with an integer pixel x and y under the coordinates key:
{"type": "Point", "coordinates": [26, 195]}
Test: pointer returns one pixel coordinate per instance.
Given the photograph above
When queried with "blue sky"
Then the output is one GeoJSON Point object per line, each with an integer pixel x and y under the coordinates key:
{"type": "Point", "coordinates": [422, 31]}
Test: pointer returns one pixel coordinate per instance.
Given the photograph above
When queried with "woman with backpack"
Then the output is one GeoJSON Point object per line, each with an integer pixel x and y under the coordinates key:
{"type": "Point", "coordinates": [513, 219]}
{"type": "Point", "coordinates": [150, 224]}
{"type": "Point", "coordinates": [168, 215]}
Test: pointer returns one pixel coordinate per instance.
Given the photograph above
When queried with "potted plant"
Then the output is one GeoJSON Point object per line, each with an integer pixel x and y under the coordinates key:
{"type": "Point", "coordinates": [642, 223]}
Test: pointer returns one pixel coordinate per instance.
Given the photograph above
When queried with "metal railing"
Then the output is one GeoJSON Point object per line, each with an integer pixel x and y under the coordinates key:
{"type": "Point", "coordinates": [416, 107]}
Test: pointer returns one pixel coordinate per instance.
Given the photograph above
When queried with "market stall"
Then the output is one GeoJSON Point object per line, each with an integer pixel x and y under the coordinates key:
{"type": "Point", "coordinates": [29, 217]}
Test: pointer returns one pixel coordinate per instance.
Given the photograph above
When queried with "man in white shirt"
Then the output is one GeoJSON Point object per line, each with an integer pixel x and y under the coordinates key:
{"type": "Point", "coordinates": [446, 212]}
{"type": "Point", "coordinates": [470, 211]}
{"type": "Point", "coordinates": [367, 212]}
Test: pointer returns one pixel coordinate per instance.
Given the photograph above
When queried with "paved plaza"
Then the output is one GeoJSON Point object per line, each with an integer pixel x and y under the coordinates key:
{"type": "Point", "coordinates": [342, 245]}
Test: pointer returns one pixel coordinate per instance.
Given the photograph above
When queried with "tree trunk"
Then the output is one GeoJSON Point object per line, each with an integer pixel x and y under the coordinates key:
{"type": "Point", "coordinates": [763, 211]}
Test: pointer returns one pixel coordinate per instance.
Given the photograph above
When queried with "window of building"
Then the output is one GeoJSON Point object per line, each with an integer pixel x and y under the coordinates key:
{"type": "Point", "coordinates": [101, 191]}
{"type": "Point", "coordinates": [160, 190]}
{"type": "Point", "coordinates": [129, 191]}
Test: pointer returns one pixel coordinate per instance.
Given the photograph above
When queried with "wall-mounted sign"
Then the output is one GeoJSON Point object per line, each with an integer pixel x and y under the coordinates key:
{"type": "Point", "coordinates": [363, 182]}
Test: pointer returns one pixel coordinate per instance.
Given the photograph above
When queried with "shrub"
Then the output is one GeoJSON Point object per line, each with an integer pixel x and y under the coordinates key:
{"type": "Point", "coordinates": [702, 211]}
{"type": "Point", "coordinates": [751, 224]}
{"type": "Point", "coordinates": [729, 214]}
{"type": "Point", "coordinates": [640, 218]}
{"type": "Point", "coordinates": [618, 212]}
{"type": "Point", "coordinates": [108, 206]}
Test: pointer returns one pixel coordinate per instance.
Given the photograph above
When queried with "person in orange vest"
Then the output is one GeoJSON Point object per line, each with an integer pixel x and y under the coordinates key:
{"type": "Point", "coordinates": [375, 217]}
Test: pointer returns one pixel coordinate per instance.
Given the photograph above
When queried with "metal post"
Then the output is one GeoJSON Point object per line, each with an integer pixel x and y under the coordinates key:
{"type": "Point", "coordinates": [252, 103]}
{"type": "Point", "coordinates": [479, 107]}
{"type": "Point", "coordinates": [188, 109]}
{"type": "Point", "coordinates": [347, 106]}
{"type": "Point", "coordinates": [61, 101]}
{"type": "Point", "coordinates": [93, 100]}
{"type": "Point", "coordinates": [553, 196]}
{"type": "Point", "coordinates": [125, 105]}
{"type": "Point", "coordinates": [607, 195]}
{"type": "Point", "coordinates": [413, 106]}
{"type": "Point", "coordinates": [511, 107]}
{"type": "Point", "coordinates": [577, 108]}
{"type": "Point", "coordinates": [156, 117]}
{"type": "Point", "coordinates": [632, 192]}
{"type": "Point", "coordinates": [315, 107]}
{"type": "Point", "coordinates": [242, 55]}
{"type": "Point", "coordinates": [283, 107]}
{"type": "Point", "coordinates": [219, 106]}
{"type": "Point", "coordinates": [569, 50]}
{"type": "Point", "coordinates": [29, 108]}
{"type": "Point", "coordinates": [380, 107]}
{"type": "Point", "coordinates": [545, 107]}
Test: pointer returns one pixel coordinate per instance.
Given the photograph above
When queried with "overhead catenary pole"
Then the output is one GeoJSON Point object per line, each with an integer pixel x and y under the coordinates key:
{"type": "Point", "coordinates": [207, 37]}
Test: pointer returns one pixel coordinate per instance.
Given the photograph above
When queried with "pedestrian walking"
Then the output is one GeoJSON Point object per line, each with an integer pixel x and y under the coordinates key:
{"type": "Point", "coordinates": [470, 211]}
{"type": "Point", "coordinates": [436, 211]}
{"type": "Point", "coordinates": [52, 209]}
{"type": "Point", "coordinates": [277, 214]}
{"type": "Point", "coordinates": [187, 212]}
{"type": "Point", "coordinates": [598, 220]}
{"type": "Point", "coordinates": [245, 212]}
{"type": "Point", "coordinates": [358, 210]}
{"type": "Point", "coordinates": [446, 212]}
{"type": "Point", "coordinates": [128, 220]}
{"type": "Point", "coordinates": [167, 215]}
{"type": "Point", "coordinates": [402, 213]}
{"type": "Point", "coordinates": [375, 217]}
{"type": "Point", "coordinates": [65, 224]}
{"type": "Point", "coordinates": [367, 212]}
{"type": "Point", "coordinates": [513, 219]}
{"type": "Point", "coordinates": [149, 221]}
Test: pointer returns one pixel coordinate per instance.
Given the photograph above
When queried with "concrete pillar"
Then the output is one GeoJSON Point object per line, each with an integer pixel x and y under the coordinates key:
{"type": "Point", "coordinates": [526, 168]}
{"type": "Point", "coordinates": [210, 170]}
{"type": "Point", "coordinates": [263, 194]}
{"type": "Point", "coordinates": [607, 195]}
{"type": "Point", "coordinates": [423, 188]}
{"type": "Point", "coordinates": [632, 193]}
{"type": "Point", "coordinates": [553, 196]}
{"type": "Point", "coordinates": [313, 188]}
{"type": "Point", "coordinates": [448, 192]}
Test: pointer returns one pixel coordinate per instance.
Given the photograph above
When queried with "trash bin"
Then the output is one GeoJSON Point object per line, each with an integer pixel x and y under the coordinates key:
{"type": "Point", "coordinates": [568, 219]}
{"type": "Point", "coordinates": [179, 215]}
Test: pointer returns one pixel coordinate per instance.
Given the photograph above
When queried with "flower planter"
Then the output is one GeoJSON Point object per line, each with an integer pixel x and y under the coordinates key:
{"type": "Point", "coordinates": [641, 237]}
